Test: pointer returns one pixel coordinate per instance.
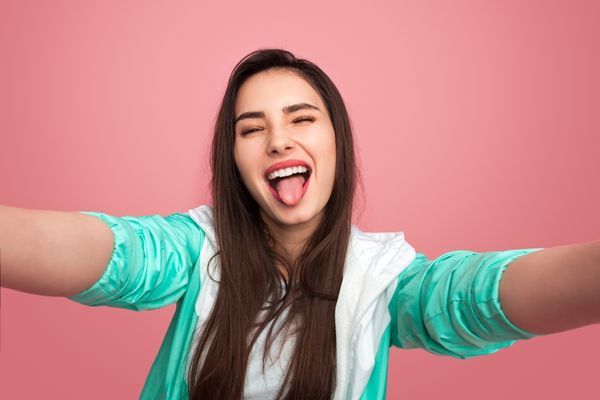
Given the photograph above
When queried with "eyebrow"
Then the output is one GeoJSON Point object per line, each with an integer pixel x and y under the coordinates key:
{"type": "Point", "coordinates": [286, 110]}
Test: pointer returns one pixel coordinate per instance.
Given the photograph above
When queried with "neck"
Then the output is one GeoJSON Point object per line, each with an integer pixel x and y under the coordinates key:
{"type": "Point", "coordinates": [290, 239]}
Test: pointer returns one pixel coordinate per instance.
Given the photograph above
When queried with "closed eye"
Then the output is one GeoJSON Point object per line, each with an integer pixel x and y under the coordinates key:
{"type": "Point", "coordinates": [296, 121]}
{"type": "Point", "coordinates": [303, 119]}
{"type": "Point", "coordinates": [248, 131]}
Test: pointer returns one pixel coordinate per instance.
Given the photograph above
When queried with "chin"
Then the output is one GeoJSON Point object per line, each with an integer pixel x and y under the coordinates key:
{"type": "Point", "coordinates": [295, 219]}
{"type": "Point", "coordinates": [297, 215]}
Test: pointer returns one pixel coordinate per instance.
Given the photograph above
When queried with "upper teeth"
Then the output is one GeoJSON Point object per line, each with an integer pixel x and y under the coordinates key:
{"type": "Point", "coordinates": [282, 173]}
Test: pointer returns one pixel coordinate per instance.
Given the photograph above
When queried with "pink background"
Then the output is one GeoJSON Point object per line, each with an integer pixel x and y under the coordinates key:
{"type": "Point", "coordinates": [476, 122]}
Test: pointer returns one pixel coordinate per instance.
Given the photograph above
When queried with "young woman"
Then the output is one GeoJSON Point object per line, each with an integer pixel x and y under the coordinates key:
{"type": "Point", "coordinates": [278, 295]}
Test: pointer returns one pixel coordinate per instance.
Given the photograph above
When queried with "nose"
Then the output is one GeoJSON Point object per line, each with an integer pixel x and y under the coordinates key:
{"type": "Point", "coordinates": [280, 141]}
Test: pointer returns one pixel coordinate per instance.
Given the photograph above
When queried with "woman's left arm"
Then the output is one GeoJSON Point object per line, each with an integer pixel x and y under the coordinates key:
{"type": "Point", "coordinates": [554, 289]}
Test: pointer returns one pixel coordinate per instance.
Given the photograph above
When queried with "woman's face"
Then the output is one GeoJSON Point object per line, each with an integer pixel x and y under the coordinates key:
{"type": "Point", "coordinates": [284, 147]}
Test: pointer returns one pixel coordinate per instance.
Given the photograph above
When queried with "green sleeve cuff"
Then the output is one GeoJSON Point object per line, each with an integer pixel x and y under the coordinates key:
{"type": "Point", "coordinates": [497, 320]}
{"type": "Point", "coordinates": [151, 262]}
{"type": "Point", "coordinates": [451, 306]}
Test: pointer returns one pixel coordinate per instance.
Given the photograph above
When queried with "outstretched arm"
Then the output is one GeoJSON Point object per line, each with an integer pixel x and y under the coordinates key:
{"type": "Point", "coordinates": [554, 289]}
{"type": "Point", "coordinates": [96, 259]}
{"type": "Point", "coordinates": [52, 253]}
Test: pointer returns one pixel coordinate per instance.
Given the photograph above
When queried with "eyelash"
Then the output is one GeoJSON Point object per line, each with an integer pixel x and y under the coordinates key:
{"type": "Point", "coordinates": [297, 120]}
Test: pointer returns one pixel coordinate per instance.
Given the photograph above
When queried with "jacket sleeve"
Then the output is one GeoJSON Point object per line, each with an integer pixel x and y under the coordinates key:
{"type": "Point", "coordinates": [450, 305]}
{"type": "Point", "coordinates": [152, 260]}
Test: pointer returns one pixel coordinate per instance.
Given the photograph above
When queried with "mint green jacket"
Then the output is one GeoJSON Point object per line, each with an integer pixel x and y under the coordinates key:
{"type": "Point", "coordinates": [447, 306]}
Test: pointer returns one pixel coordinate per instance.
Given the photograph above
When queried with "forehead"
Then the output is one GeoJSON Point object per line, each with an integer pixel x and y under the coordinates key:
{"type": "Point", "coordinates": [273, 89]}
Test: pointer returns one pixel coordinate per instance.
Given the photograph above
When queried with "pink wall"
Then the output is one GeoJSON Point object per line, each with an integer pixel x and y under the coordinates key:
{"type": "Point", "coordinates": [477, 125]}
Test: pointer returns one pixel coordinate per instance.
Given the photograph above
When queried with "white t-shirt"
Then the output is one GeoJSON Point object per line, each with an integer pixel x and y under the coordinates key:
{"type": "Point", "coordinates": [259, 385]}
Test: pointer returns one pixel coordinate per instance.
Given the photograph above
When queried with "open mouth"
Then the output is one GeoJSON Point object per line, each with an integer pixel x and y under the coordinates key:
{"type": "Point", "coordinates": [288, 185]}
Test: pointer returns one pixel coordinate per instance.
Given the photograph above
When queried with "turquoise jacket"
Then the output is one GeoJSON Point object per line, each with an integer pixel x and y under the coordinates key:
{"type": "Point", "coordinates": [390, 295]}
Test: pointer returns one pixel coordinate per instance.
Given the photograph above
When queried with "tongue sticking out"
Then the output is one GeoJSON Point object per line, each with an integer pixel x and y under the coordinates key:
{"type": "Point", "coordinates": [290, 189]}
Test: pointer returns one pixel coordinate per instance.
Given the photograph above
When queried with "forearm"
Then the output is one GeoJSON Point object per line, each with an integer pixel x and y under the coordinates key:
{"type": "Point", "coordinates": [554, 289]}
{"type": "Point", "coordinates": [52, 252]}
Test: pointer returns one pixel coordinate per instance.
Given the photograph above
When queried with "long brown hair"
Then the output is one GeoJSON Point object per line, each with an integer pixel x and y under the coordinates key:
{"type": "Point", "coordinates": [250, 283]}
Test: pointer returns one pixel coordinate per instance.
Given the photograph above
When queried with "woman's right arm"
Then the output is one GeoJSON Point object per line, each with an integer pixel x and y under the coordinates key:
{"type": "Point", "coordinates": [137, 263]}
{"type": "Point", "coordinates": [53, 253]}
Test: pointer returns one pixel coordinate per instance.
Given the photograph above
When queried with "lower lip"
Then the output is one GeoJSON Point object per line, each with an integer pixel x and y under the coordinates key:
{"type": "Point", "coordinates": [276, 195]}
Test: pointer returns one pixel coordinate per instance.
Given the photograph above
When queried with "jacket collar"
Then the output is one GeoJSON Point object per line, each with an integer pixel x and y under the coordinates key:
{"type": "Point", "coordinates": [373, 263]}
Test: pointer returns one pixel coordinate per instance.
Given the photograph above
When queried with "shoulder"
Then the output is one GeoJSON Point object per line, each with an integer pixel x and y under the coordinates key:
{"type": "Point", "coordinates": [380, 245]}
{"type": "Point", "coordinates": [203, 216]}
{"type": "Point", "coordinates": [376, 257]}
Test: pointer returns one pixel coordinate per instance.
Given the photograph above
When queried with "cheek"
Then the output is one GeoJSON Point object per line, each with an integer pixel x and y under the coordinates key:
{"type": "Point", "coordinates": [241, 153]}
{"type": "Point", "coordinates": [247, 164]}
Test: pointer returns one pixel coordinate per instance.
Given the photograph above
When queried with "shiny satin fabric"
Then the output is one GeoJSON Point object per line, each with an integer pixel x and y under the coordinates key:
{"type": "Point", "coordinates": [447, 306]}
